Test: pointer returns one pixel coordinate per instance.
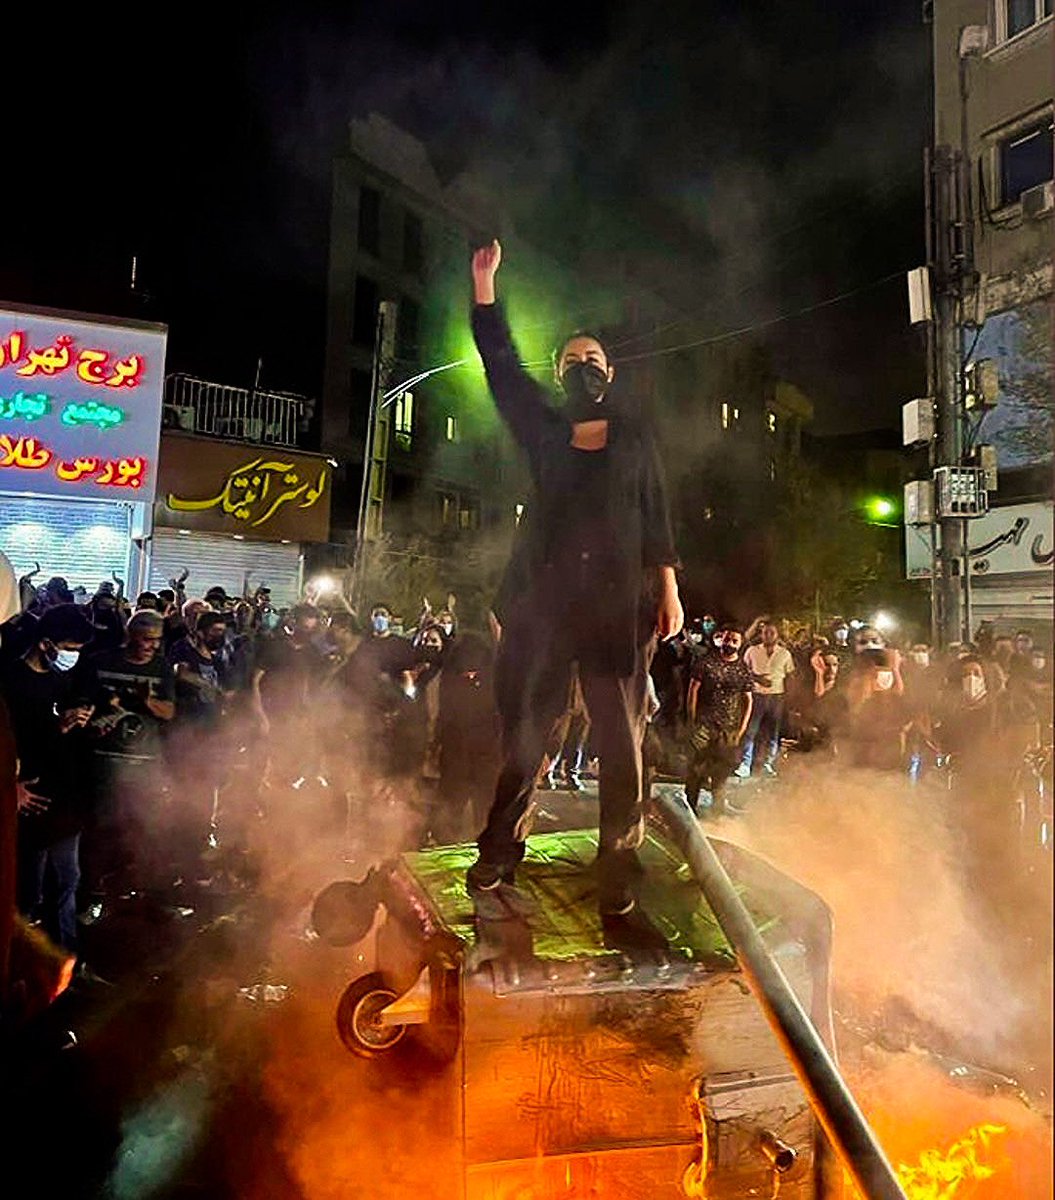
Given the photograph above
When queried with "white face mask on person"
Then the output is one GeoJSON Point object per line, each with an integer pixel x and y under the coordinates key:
{"type": "Point", "coordinates": [884, 680]}
{"type": "Point", "coordinates": [973, 687]}
{"type": "Point", "coordinates": [62, 660]}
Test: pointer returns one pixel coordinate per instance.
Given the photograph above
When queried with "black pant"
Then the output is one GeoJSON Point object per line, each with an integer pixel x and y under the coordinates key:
{"type": "Point", "coordinates": [714, 753]}
{"type": "Point", "coordinates": [532, 676]}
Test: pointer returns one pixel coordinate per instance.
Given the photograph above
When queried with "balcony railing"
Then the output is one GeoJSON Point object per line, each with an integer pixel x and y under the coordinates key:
{"type": "Point", "coordinates": [243, 414]}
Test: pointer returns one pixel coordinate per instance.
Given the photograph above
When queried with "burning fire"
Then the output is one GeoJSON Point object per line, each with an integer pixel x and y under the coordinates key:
{"type": "Point", "coordinates": [939, 1176]}
{"type": "Point", "coordinates": [1005, 1153]}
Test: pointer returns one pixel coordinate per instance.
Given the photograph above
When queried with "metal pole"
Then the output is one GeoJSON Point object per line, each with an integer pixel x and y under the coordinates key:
{"type": "Point", "coordinates": [949, 372]}
{"type": "Point", "coordinates": [842, 1120]}
{"type": "Point", "coordinates": [931, 358]}
{"type": "Point", "coordinates": [368, 457]}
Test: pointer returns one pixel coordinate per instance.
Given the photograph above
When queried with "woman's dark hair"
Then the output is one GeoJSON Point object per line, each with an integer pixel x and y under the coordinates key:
{"type": "Point", "coordinates": [558, 349]}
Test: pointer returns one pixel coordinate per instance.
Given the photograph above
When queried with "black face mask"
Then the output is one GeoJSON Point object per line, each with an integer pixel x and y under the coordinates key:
{"type": "Point", "coordinates": [584, 385]}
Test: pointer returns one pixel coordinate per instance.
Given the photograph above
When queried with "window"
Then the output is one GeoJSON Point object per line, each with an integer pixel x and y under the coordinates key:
{"type": "Point", "coordinates": [364, 311]}
{"type": "Point", "coordinates": [359, 384]}
{"type": "Point", "coordinates": [369, 220]}
{"type": "Point", "coordinates": [1016, 16]}
{"type": "Point", "coordinates": [403, 419]}
{"type": "Point", "coordinates": [518, 513]}
{"type": "Point", "coordinates": [469, 513]}
{"type": "Point", "coordinates": [772, 470]}
{"type": "Point", "coordinates": [1025, 160]}
{"type": "Point", "coordinates": [725, 415]}
{"type": "Point", "coordinates": [771, 422]}
{"type": "Point", "coordinates": [413, 244]}
{"type": "Point", "coordinates": [448, 510]}
{"type": "Point", "coordinates": [452, 428]}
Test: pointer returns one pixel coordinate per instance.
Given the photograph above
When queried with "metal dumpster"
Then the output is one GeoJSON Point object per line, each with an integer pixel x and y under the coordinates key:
{"type": "Point", "coordinates": [585, 1057]}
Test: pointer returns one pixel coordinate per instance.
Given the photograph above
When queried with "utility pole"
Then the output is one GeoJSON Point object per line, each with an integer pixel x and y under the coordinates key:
{"type": "Point", "coordinates": [375, 445]}
{"type": "Point", "coordinates": [947, 271]}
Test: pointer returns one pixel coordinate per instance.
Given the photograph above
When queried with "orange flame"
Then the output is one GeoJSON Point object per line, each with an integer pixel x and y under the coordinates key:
{"type": "Point", "coordinates": [939, 1176]}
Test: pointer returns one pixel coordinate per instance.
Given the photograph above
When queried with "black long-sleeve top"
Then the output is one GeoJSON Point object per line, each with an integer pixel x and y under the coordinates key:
{"type": "Point", "coordinates": [598, 525]}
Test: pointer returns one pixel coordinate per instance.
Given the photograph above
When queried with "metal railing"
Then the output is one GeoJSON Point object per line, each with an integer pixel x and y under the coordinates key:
{"type": "Point", "coordinates": [244, 414]}
{"type": "Point", "coordinates": [843, 1123]}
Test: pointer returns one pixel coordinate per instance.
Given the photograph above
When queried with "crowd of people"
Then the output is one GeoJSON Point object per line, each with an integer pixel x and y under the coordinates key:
{"type": "Point", "coordinates": [733, 701]}
{"type": "Point", "coordinates": [151, 734]}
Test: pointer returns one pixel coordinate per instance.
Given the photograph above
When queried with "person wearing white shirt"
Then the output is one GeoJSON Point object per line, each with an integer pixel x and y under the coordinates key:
{"type": "Point", "coordinates": [770, 664]}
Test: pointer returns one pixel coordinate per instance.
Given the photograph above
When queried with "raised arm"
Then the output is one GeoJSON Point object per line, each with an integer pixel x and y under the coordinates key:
{"type": "Point", "coordinates": [520, 399]}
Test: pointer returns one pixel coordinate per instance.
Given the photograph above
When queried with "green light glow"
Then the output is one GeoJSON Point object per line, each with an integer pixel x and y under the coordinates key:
{"type": "Point", "coordinates": [880, 508]}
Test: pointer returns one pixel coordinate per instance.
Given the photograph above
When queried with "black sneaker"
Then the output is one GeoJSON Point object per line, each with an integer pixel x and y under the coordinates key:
{"type": "Point", "coordinates": [573, 783]}
{"type": "Point", "coordinates": [483, 877]}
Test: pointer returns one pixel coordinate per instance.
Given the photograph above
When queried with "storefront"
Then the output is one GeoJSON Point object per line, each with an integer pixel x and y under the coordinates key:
{"type": "Point", "coordinates": [1012, 553]}
{"type": "Point", "coordinates": [80, 416]}
{"type": "Point", "coordinates": [228, 511]}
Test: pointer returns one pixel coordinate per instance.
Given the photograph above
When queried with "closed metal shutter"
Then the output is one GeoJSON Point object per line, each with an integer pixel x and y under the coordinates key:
{"type": "Point", "coordinates": [84, 541]}
{"type": "Point", "coordinates": [217, 561]}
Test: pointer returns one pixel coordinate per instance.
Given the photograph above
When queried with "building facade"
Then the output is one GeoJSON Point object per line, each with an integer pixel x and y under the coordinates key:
{"type": "Point", "coordinates": [993, 106]}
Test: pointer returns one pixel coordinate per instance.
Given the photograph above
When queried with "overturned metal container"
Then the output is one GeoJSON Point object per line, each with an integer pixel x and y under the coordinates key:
{"type": "Point", "coordinates": [576, 1056]}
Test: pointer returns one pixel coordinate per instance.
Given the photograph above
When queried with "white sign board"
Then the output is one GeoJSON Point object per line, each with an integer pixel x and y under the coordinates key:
{"type": "Point", "coordinates": [1012, 540]}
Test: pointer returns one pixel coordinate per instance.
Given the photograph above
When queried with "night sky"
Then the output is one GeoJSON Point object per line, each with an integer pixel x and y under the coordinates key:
{"type": "Point", "coordinates": [774, 149]}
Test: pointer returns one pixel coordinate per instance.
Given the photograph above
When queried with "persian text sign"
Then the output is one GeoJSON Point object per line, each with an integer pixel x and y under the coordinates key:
{"type": "Point", "coordinates": [265, 492]}
{"type": "Point", "coordinates": [80, 405]}
{"type": "Point", "coordinates": [1012, 540]}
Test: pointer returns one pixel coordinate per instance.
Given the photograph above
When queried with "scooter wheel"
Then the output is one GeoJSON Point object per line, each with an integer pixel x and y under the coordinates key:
{"type": "Point", "coordinates": [358, 1017]}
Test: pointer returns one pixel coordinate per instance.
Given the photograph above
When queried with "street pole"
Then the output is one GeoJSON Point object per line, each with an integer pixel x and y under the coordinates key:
{"type": "Point", "coordinates": [384, 340]}
{"type": "Point", "coordinates": [949, 380]}
{"type": "Point", "coordinates": [932, 392]}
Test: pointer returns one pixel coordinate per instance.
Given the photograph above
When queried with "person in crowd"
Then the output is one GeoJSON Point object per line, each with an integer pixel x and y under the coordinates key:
{"type": "Point", "coordinates": [771, 664]}
{"type": "Point", "coordinates": [382, 660]}
{"type": "Point", "coordinates": [148, 601]}
{"type": "Point", "coordinates": [720, 703]}
{"type": "Point", "coordinates": [566, 753]}
{"type": "Point", "coordinates": [345, 638]}
{"type": "Point", "coordinates": [134, 690]}
{"type": "Point", "coordinates": [879, 718]}
{"type": "Point", "coordinates": [429, 646]}
{"type": "Point", "coordinates": [55, 591]}
{"type": "Point", "coordinates": [670, 673]}
{"type": "Point", "coordinates": [970, 714]}
{"type": "Point", "coordinates": [598, 526]}
{"type": "Point", "coordinates": [289, 669]}
{"type": "Point", "coordinates": [216, 597]}
{"type": "Point", "coordinates": [104, 612]}
{"type": "Point", "coordinates": [469, 737]}
{"type": "Point", "coordinates": [49, 715]}
{"type": "Point", "coordinates": [198, 664]}
{"type": "Point", "coordinates": [194, 748]}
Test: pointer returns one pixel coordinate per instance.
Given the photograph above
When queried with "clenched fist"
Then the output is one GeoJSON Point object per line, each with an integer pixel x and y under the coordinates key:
{"type": "Point", "coordinates": [486, 261]}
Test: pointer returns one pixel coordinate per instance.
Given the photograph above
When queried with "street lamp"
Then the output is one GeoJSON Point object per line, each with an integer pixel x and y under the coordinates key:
{"type": "Point", "coordinates": [879, 509]}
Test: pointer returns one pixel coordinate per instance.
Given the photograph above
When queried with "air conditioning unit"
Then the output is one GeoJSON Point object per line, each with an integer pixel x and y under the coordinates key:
{"type": "Point", "coordinates": [1038, 201]}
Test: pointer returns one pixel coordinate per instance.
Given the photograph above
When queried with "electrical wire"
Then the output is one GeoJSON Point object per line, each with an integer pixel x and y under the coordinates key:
{"type": "Point", "coordinates": [734, 333]}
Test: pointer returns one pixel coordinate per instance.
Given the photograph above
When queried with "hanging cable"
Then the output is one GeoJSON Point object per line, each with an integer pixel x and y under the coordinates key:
{"type": "Point", "coordinates": [734, 333]}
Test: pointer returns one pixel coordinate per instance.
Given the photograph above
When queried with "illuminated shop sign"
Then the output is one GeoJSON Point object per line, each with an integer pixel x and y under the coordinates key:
{"type": "Point", "coordinates": [265, 492]}
{"type": "Point", "coordinates": [80, 405]}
